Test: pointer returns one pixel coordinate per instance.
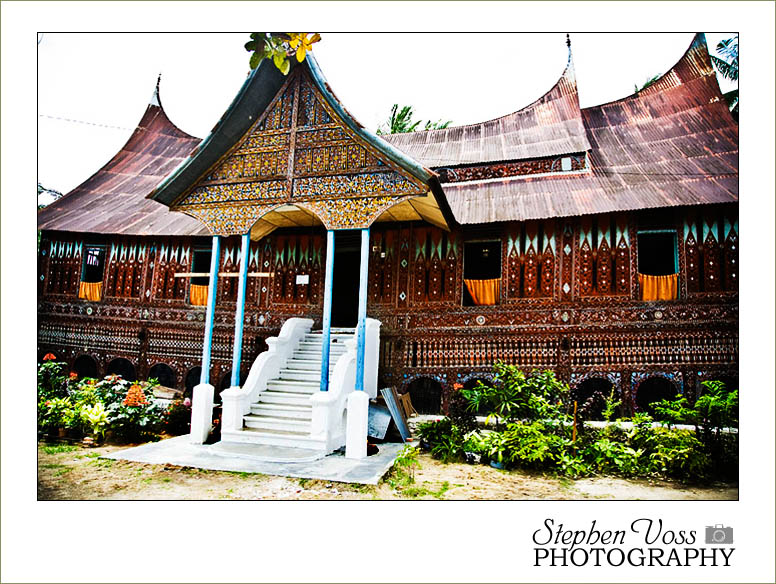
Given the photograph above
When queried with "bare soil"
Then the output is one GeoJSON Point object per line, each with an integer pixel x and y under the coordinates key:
{"type": "Point", "coordinates": [77, 473]}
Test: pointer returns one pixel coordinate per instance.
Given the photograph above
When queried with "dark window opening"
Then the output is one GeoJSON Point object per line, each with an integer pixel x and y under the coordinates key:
{"type": "Point", "coordinates": [426, 395]}
{"type": "Point", "coordinates": [591, 395]}
{"type": "Point", "coordinates": [481, 261]}
{"type": "Point", "coordinates": [123, 367]}
{"type": "Point", "coordinates": [164, 374]}
{"type": "Point", "coordinates": [94, 265]}
{"type": "Point", "coordinates": [200, 264]}
{"type": "Point", "coordinates": [657, 253]}
{"type": "Point", "coordinates": [191, 380]}
{"type": "Point", "coordinates": [653, 390]}
{"type": "Point", "coordinates": [86, 366]}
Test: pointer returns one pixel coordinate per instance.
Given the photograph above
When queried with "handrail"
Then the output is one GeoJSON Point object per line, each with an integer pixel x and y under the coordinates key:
{"type": "Point", "coordinates": [236, 401]}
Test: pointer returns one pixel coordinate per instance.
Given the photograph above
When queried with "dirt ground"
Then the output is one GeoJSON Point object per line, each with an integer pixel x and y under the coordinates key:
{"type": "Point", "coordinates": [70, 472]}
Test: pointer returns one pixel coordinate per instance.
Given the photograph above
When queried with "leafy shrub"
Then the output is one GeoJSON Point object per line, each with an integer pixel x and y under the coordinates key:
{"type": "Point", "coordinates": [432, 433]}
{"type": "Point", "coordinates": [532, 446]}
{"type": "Point", "coordinates": [461, 415]}
{"type": "Point", "coordinates": [609, 457]}
{"type": "Point", "coordinates": [516, 396]}
{"type": "Point", "coordinates": [177, 418]}
{"type": "Point", "coordinates": [53, 413]}
{"type": "Point", "coordinates": [52, 381]}
{"type": "Point", "coordinates": [672, 452]}
{"type": "Point", "coordinates": [715, 410]}
{"type": "Point", "coordinates": [128, 422]}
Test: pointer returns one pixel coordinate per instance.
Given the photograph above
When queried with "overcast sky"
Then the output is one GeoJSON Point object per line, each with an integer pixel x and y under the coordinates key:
{"type": "Point", "coordinates": [108, 79]}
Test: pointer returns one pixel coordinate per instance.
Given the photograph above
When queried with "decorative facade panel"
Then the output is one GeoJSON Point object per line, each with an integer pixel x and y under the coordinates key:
{"type": "Point", "coordinates": [300, 152]}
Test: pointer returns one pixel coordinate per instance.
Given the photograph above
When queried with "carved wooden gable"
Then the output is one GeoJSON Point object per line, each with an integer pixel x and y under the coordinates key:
{"type": "Point", "coordinates": [299, 152]}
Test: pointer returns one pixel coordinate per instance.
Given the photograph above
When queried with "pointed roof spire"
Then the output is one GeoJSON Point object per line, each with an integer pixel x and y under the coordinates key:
{"type": "Point", "coordinates": [568, 41]}
{"type": "Point", "coordinates": [155, 96]}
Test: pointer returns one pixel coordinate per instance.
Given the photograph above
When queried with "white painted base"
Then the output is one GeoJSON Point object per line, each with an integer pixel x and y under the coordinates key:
{"type": "Point", "coordinates": [357, 425]}
{"type": "Point", "coordinates": [201, 412]}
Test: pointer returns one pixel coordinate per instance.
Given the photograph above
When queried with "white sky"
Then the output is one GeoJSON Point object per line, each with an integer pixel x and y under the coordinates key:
{"type": "Point", "coordinates": [108, 79]}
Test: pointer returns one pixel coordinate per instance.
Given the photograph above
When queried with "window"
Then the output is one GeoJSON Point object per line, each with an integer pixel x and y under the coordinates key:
{"type": "Point", "coordinates": [200, 264]}
{"type": "Point", "coordinates": [92, 271]}
{"type": "Point", "coordinates": [658, 264]}
{"type": "Point", "coordinates": [94, 265]}
{"type": "Point", "coordinates": [481, 272]}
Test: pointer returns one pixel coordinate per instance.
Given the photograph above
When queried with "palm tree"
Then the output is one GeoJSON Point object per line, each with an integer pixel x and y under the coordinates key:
{"type": "Point", "coordinates": [727, 64]}
{"type": "Point", "coordinates": [401, 122]}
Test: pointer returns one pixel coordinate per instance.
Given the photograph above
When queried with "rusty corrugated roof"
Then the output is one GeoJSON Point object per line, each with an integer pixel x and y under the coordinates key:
{"type": "Point", "coordinates": [113, 199]}
{"type": "Point", "coordinates": [550, 126]}
{"type": "Point", "coordinates": [674, 143]}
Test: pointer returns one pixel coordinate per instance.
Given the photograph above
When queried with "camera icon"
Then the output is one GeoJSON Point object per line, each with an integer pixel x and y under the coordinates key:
{"type": "Point", "coordinates": [719, 534]}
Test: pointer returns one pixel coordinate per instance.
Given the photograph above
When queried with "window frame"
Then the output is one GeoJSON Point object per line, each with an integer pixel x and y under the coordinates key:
{"type": "Point", "coordinates": [500, 245]}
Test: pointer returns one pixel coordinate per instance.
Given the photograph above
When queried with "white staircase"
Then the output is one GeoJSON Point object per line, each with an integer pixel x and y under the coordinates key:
{"type": "Point", "coordinates": [281, 414]}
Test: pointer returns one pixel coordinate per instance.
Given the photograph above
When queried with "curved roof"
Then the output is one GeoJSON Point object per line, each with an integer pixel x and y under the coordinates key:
{"type": "Point", "coordinates": [550, 126]}
{"type": "Point", "coordinates": [113, 199]}
{"type": "Point", "coordinates": [674, 143]}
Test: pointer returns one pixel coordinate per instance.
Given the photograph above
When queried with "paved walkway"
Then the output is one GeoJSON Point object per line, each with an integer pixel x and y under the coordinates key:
{"type": "Point", "coordinates": [271, 460]}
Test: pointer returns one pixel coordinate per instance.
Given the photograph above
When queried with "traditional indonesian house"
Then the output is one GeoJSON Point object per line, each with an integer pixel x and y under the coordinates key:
{"type": "Point", "coordinates": [599, 242]}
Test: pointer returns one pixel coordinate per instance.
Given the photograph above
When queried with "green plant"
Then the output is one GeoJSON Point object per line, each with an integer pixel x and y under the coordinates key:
{"type": "Point", "coordinates": [610, 406]}
{"type": "Point", "coordinates": [675, 453]}
{"type": "Point", "coordinates": [431, 433]}
{"type": "Point", "coordinates": [406, 462]}
{"type": "Point", "coordinates": [54, 413]}
{"type": "Point", "coordinates": [609, 457]}
{"type": "Point", "coordinates": [515, 395]}
{"type": "Point", "coordinates": [449, 448]}
{"type": "Point", "coordinates": [177, 418]}
{"type": "Point", "coordinates": [97, 418]}
{"type": "Point", "coordinates": [533, 446]}
{"type": "Point", "coordinates": [459, 413]}
{"type": "Point", "coordinates": [52, 380]}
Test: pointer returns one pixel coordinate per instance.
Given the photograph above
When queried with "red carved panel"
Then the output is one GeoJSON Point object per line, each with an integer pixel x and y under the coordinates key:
{"type": "Point", "coordinates": [711, 254]}
{"type": "Point", "coordinates": [731, 253]}
{"type": "Point", "coordinates": [513, 264]}
{"type": "Point", "coordinates": [531, 260]}
{"type": "Point", "coordinates": [604, 256]}
{"type": "Point", "coordinates": [547, 283]}
{"type": "Point", "coordinates": [585, 262]}
{"type": "Point", "coordinates": [622, 255]}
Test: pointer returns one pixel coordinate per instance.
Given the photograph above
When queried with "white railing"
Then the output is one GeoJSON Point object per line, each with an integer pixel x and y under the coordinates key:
{"type": "Point", "coordinates": [329, 407]}
{"type": "Point", "coordinates": [236, 401]}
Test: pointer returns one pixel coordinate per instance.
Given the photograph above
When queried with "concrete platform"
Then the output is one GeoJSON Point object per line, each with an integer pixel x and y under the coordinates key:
{"type": "Point", "coordinates": [271, 460]}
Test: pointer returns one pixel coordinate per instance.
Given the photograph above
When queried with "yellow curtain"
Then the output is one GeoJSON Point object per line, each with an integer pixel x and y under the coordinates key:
{"type": "Point", "coordinates": [90, 291]}
{"type": "Point", "coordinates": [483, 292]}
{"type": "Point", "coordinates": [659, 287]}
{"type": "Point", "coordinates": [198, 295]}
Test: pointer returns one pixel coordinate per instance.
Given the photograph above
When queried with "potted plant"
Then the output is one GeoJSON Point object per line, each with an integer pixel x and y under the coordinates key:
{"type": "Point", "coordinates": [497, 450]}
{"type": "Point", "coordinates": [473, 447]}
{"type": "Point", "coordinates": [97, 418]}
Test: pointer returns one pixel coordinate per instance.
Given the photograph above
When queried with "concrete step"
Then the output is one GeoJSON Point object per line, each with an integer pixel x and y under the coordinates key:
{"type": "Point", "coordinates": [318, 347]}
{"type": "Point", "coordinates": [300, 374]}
{"type": "Point", "coordinates": [308, 387]}
{"type": "Point", "coordinates": [261, 422]}
{"type": "Point", "coordinates": [306, 364]}
{"type": "Point", "coordinates": [282, 397]}
{"type": "Point", "coordinates": [274, 438]}
{"type": "Point", "coordinates": [295, 412]}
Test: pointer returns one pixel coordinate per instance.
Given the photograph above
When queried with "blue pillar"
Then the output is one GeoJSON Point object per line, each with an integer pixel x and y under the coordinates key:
{"type": "Point", "coordinates": [362, 291]}
{"type": "Point", "coordinates": [211, 309]}
{"type": "Point", "coordinates": [239, 315]}
{"type": "Point", "coordinates": [327, 310]}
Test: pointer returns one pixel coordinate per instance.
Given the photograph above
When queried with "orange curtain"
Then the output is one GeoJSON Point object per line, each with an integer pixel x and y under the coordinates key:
{"type": "Point", "coordinates": [90, 291]}
{"type": "Point", "coordinates": [198, 295]}
{"type": "Point", "coordinates": [483, 292]}
{"type": "Point", "coordinates": [659, 287]}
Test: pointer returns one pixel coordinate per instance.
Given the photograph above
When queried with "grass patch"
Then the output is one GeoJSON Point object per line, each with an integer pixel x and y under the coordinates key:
{"type": "Point", "coordinates": [62, 471]}
{"type": "Point", "coordinates": [59, 448]}
{"type": "Point", "coordinates": [102, 462]}
{"type": "Point", "coordinates": [52, 465]}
